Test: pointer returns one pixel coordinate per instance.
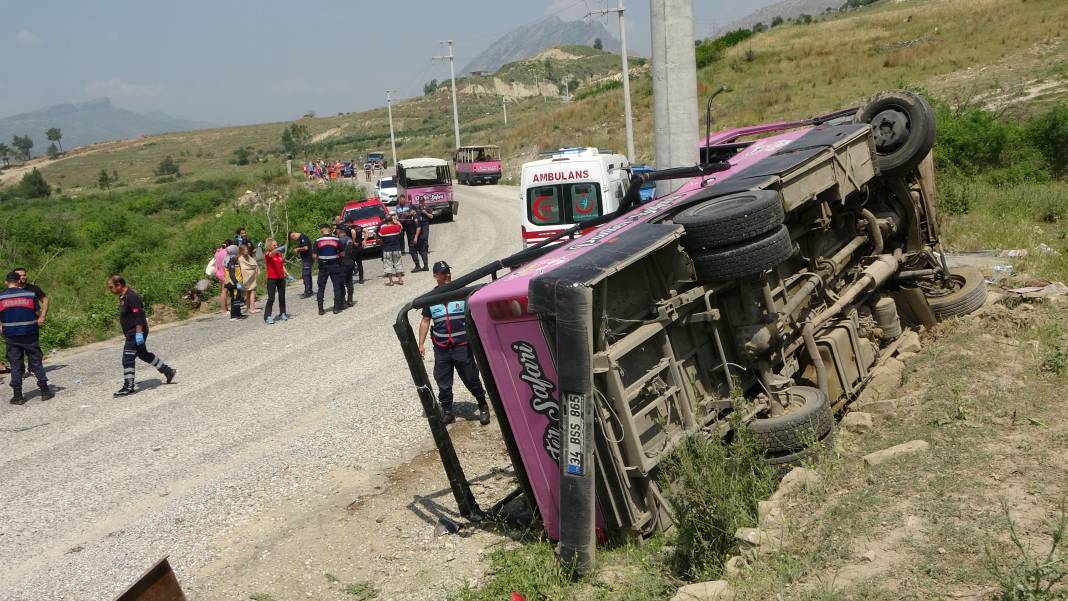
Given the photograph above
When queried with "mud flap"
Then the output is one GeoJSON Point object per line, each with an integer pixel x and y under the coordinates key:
{"type": "Point", "coordinates": [455, 207]}
{"type": "Point", "coordinates": [157, 584]}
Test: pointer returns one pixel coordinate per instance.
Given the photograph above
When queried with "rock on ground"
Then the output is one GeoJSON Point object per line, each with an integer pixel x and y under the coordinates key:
{"type": "Point", "coordinates": [857, 422]}
{"type": "Point", "coordinates": [715, 590]}
{"type": "Point", "coordinates": [905, 448]}
{"type": "Point", "coordinates": [797, 480]}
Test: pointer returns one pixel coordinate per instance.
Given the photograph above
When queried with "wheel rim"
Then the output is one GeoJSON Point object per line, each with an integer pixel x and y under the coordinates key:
{"type": "Point", "coordinates": [891, 129]}
{"type": "Point", "coordinates": [941, 290]}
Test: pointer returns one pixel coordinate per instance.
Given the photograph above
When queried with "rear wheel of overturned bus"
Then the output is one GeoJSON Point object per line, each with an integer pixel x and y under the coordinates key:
{"type": "Point", "coordinates": [903, 126]}
{"type": "Point", "coordinates": [810, 454]}
{"type": "Point", "coordinates": [730, 219]}
{"type": "Point", "coordinates": [807, 418]}
{"type": "Point", "coordinates": [963, 293]}
{"type": "Point", "coordinates": [745, 259]}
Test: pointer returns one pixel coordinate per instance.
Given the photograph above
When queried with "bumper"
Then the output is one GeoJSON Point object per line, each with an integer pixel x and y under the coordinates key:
{"type": "Point", "coordinates": [443, 208]}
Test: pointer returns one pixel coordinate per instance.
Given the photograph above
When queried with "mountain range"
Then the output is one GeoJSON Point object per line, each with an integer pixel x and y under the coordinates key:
{"type": "Point", "coordinates": [528, 40]}
{"type": "Point", "coordinates": [88, 123]}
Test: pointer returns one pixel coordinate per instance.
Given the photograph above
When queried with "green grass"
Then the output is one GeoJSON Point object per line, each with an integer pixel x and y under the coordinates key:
{"type": "Point", "coordinates": [362, 591]}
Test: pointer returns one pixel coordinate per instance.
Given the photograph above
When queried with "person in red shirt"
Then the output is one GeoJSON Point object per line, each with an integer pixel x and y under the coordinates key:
{"type": "Point", "coordinates": [276, 281]}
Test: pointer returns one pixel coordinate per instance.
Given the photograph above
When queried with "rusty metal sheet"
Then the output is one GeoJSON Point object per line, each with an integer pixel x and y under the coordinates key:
{"type": "Point", "coordinates": [157, 584]}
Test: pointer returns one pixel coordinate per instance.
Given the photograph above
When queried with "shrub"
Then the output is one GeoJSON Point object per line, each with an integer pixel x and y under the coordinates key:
{"type": "Point", "coordinates": [167, 167]}
{"type": "Point", "coordinates": [713, 488]}
{"type": "Point", "coordinates": [33, 185]}
{"type": "Point", "coordinates": [1049, 134]}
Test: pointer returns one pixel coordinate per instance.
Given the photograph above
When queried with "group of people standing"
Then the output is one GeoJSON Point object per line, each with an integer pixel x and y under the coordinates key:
{"type": "Point", "coordinates": [332, 170]}
{"type": "Point", "coordinates": [237, 270]}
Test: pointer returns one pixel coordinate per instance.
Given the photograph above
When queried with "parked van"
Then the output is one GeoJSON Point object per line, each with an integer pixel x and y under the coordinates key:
{"type": "Point", "coordinates": [569, 186]}
{"type": "Point", "coordinates": [428, 182]}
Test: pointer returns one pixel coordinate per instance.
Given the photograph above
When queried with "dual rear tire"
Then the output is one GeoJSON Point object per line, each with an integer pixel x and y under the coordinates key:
{"type": "Point", "coordinates": [736, 236]}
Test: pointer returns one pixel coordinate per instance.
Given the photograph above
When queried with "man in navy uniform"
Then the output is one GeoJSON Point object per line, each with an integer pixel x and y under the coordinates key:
{"type": "Point", "coordinates": [135, 327]}
{"type": "Point", "coordinates": [19, 322]}
{"type": "Point", "coordinates": [301, 244]}
{"type": "Point", "coordinates": [447, 325]}
{"type": "Point", "coordinates": [328, 251]}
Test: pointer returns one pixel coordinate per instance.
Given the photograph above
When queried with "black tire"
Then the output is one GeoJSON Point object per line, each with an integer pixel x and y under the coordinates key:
{"type": "Point", "coordinates": [823, 447]}
{"type": "Point", "coordinates": [903, 126]}
{"type": "Point", "coordinates": [748, 258]}
{"type": "Point", "coordinates": [792, 432]}
{"type": "Point", "coordinates": [730, 219]}
{"type": "Point", "coordinates": [967, 295]}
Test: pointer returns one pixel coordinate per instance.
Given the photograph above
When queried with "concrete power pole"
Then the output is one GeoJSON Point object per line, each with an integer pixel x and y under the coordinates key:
{"type": "Point", "coordinates": [504, 107]}
{"type": "Point", "coordinates": [674, 87]}
{"type": "Point", "coordinates": [392, 139]}
{"type": "Point", "coordinates": [626, 75]}
{"type": "Point", "coordinates": [452, 75]}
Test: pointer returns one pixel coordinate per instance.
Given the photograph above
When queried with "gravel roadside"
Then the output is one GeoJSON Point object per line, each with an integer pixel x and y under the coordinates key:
{"type": "Point", "coordinates": [96, 489]}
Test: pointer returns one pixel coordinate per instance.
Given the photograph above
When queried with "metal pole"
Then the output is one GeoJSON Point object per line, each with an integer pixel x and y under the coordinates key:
{"type": "Point", "coordinates": [626, 75]}
{"type": "Point", "coordinates": [504, 107]}
{"type": "Point", "coordinates": [674, 87]}
{"type": "Point", "coordinates": [392, 139]}
{"type": "Point", "coordinates": [452, 76]}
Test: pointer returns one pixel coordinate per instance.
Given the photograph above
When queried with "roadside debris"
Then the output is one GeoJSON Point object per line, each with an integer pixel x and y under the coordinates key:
{"type": "Point", "coordinates": [715, 590]}
{"type": "Point", "coordinates": [1048, 290]}
{"type": "Point", "coordinates": [857, 422]}
{"type": "Point", "coordinates": [905, 448]}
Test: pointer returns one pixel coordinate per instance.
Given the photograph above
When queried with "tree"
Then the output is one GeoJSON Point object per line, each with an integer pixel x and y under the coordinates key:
{"type": "Point", "coordinates": [1049, 133]}
{"type": "Point", "coordinates": [54, 135]}
{"type": "Point", "coordinates": [103, 180]}
{"type": "Point", "coordinates": [52, 151]}
{"type": "Point", "coordinates": [23, 144]}
{"type": "Point", "coordinates": [804, 18]}
{"type": "Point", "coordinates": [33, 185]}
{"type": "Point", "coordinates": [5, 154]}
{"type": "Point", "coordinates": [295, 139]}
{"type": "Point", "coordinates": [168, 167]}
{"type": "Point", "coordinates": [759, 27]}
{"type": "Point", "coordinates": [598, 44]}
{"type": "Point", "coordinates": [776, 21]}
{"type": "Point", "coordinates": [429, 87]}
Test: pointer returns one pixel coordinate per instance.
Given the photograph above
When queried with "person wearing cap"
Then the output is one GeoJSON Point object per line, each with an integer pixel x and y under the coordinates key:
{"type": "Point", "coordinates": [301, 244]}
{"type": "Point", "coordinates": [328, 251]}
{"type": "Point", "coordinates": [19, 322]}
{"type": "Point", "coordinates": [447, 327]}
{"type": "Point", "coordinates": [135, 328]}
{"type": "Point", "coordinates": [348, 262]}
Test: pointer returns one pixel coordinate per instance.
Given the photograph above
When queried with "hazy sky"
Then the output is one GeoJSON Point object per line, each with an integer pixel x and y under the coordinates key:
{"type": "Point", "coordinates": [234, 62]}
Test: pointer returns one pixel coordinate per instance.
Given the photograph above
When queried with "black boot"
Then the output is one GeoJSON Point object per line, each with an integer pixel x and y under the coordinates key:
{"type": "Point", "coordinates": [168, 373]}
{"type": "Point", "coordinates": [126, 390]}
{"type": "Point", "coordinates": [46, 393]}
{"type": "Point", "coordinates": [16, 397]}
{"type": "Point", "coordinates": [321, 312]}
{"type": "Point", "coordinates": [483, 415]}
{"type": "Point", "coordinates": [447, 416]}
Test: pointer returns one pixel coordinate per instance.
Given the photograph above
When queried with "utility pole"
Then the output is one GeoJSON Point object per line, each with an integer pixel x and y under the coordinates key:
{"type": "Point", "coordinates": [504, 107]}
{"type": "Point", "coordinates": [392, 139]}
{"type": "Point", "coordinates": [674, 87]}
{"type": "Point", "coordinates": [452, 75]}
{"type": "Point", "coordinates": [626, 75]}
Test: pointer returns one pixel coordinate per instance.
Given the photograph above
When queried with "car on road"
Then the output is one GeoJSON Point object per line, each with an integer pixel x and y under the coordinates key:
{"type": "Point", "coordinates": [377, 160]}
{"type": "Point", "coordinates": [367, 215]}
{"type": "Point", "coordinates": [386, 188]}
{"type": "Point", "coordinates": [764, 293]}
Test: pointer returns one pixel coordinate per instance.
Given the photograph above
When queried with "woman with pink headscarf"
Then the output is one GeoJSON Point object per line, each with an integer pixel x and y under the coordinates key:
{"type": "Point", "coordinates": [221, 256]}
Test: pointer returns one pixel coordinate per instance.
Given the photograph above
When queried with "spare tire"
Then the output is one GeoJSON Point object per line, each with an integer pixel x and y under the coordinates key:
{"type": "Point", "coordinates": [821, 448]}
{"type": "Point", "coordinates": [731, 219]}
{"type": "Point", "coordinates": [967, 292]}
{"type": "Point", "coordinates": [812, 420]}
{"type": "Point", "coordinates": [745, 259]}
{"type": "Point", "coordinates": [903, 127]}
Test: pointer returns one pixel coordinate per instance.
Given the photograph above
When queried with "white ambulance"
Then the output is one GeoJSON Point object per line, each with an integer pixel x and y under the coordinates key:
{"type": "Point", "coordinates": [569, 186]}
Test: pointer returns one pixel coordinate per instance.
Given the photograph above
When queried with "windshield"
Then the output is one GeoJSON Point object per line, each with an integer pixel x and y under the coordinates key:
{"type": "Point", "coordinates": [478, 154]}
{"type": "Point", "coordinates": [375, 156]}
{"type": "Point", "coordinates": [368, 212]}
{"type": "Point", "coordinates": [564, 203]}
{"type": "Point", "coordinates": [425, 176]}
{"type": "Point", "coordinates": [387, 182]}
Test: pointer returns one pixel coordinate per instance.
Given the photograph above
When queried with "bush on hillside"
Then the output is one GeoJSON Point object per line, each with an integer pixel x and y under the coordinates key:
{"type": "Point", "coordinates": [33, 185]}
{"type": "Point", "coordinates": [1049, 134]}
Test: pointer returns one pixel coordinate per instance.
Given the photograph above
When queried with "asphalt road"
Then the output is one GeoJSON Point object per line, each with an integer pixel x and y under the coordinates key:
{"type": "Point", "coordinates": [95, 489]}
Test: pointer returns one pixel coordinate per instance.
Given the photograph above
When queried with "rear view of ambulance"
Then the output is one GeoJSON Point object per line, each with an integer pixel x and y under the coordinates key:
{"type": "Point", "coordinates": [567, 187]}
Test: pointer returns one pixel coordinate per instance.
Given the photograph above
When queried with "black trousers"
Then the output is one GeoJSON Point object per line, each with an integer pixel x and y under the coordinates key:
{"type": "Point", "coordinates": [237, 300]}
{"type": "Point", "coordinates": [358, 265]}
{"type": "Point", "coordinates": [346, 280]}
{"type": "Point", "coordinates": [131, 351]}
{"type": "Point", "coordinates": [275, 287]}
{"type": "Point", "coordinates": [331, 271]}
{"type": "Point", "coordinates": [30, 348]}
{"type": "Point", "coordinates": [420, 247]}
{"type": "Point", "coordinates": [456, 358]}
{"type": "Point", "coordinates": [305, 274]}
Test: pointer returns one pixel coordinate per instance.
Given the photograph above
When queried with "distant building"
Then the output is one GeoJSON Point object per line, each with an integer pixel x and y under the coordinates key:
{"type": "Point", "coordinates": [482, 73]}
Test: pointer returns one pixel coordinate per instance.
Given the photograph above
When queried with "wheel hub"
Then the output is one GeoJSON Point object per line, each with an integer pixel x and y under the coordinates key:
{"type": "Point", "coordinates": [891, 129]}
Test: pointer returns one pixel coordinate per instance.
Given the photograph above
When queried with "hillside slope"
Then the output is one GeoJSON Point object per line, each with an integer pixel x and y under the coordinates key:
{"type": "Point", "coordinates": [528, 40]}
